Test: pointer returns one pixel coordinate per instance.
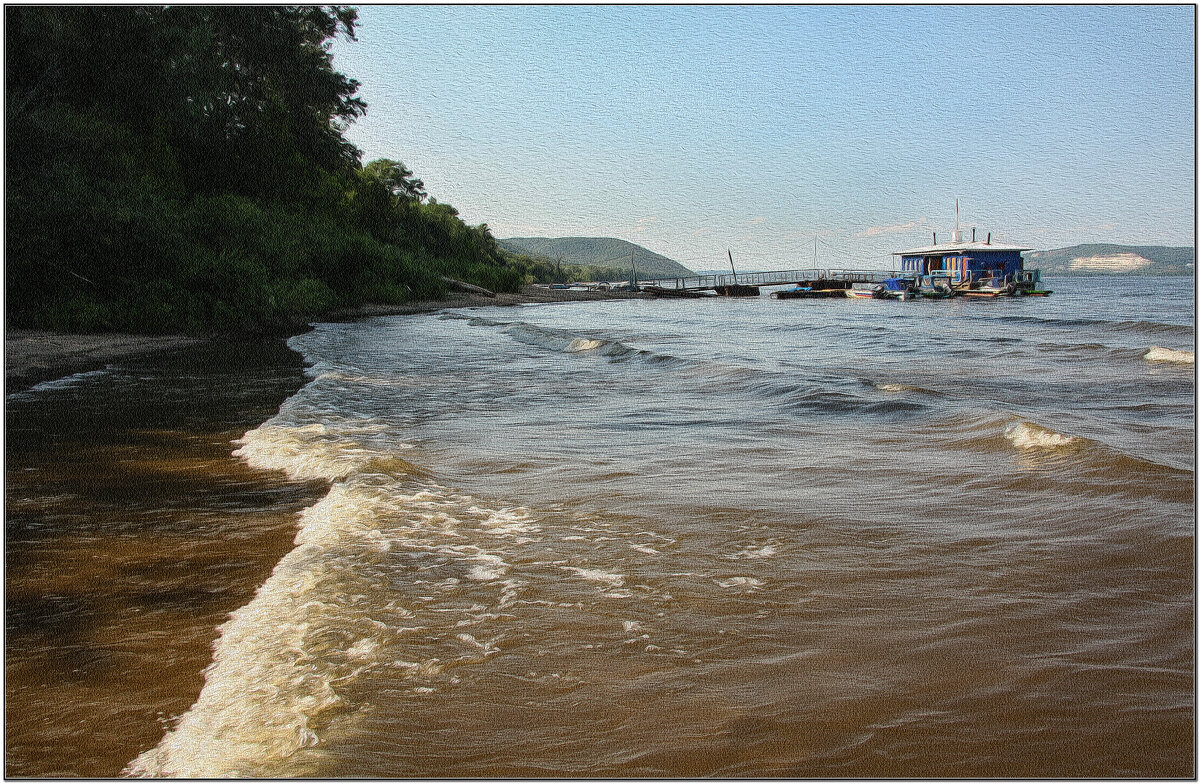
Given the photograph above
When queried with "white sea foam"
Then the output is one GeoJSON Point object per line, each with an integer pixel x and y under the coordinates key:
{"type": "Point", "coordinates": [597, 575]}
{"type": "Point", "coordinates": [585, 344]}
{"type": "Point", "coordinates": [1160, 354]}
{"type": "Point", "coordinates": [363, 649]}
{"type": "Point", "coordinates": [1025, 435]}
{"type": "Point", "coordinates": [58, 383]}
{"type": "Point", "coordinates": [283, 663]}
{"type": "Point", "coordinates": [487, 648]}
{"type": "Point", "coordinates": [358, 378]}
{"type": "Point", "coordinates": [513, 522]}
{"type": "Point", "coordinates": [766, 551]}
{"type": "Point", "coordinates": [486, 566]}
{"type": "Point", "coordinates": [738, 582]}
{"type": "Point", "coordinates": [273, 677]}
{"type": "Point", "coordinates": [313, 451]}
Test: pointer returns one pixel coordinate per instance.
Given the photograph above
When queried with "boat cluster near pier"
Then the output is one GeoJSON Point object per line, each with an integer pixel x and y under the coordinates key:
{"type": "Point", "coordinates": [854, 284]}
{"type": "Point", "coordinates": [939, 271]}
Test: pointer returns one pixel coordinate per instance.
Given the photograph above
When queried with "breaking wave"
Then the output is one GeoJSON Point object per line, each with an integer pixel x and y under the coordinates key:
{"type": "Point", "coordinates": [897, 388]}
{"type": "Point", "coordinates": [287, 663]}
{"type": "Point", "coordinates": [1026, 435]}
{"type": "Point", "coordinates": [1160, 354]}
{"type": "Point", "coordinates": [564, 341]}
{"type": "Point", "coordinates": [319, 451]}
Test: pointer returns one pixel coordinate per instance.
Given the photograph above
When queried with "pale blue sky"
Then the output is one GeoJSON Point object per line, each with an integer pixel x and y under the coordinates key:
{"type": "Point", "coordinates": [693, 129]}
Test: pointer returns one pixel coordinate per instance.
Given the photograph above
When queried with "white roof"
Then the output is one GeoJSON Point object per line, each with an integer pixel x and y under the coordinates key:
{"type": "Point", "coordinates": [958, 247]}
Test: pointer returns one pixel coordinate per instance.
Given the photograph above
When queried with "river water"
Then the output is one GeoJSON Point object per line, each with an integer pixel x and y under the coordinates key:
{"type": "Point", "coordinates": [632, 538]}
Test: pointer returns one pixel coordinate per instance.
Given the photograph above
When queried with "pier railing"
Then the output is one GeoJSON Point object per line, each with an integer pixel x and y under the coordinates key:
{"type": "Point", "coordinates": [775, 278]}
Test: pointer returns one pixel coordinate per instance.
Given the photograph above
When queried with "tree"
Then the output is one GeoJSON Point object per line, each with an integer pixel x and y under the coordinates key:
{"type": "Point", "coordinates": [397, 177]}
{"type": "Point", "coordinates": [185, 167]}
{"type": "Point", "coordinates": [246, 96]}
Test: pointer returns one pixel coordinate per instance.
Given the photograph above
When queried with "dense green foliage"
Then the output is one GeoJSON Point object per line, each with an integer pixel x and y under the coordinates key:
{"type": "Point", "coordinates": [1163, 260]}
{"type": "Point", "coordinates": [546, 270]}
{"type": "Point", "coordinates": [184, 168]}
{"type": "Point", "coordinates": [602, 252]}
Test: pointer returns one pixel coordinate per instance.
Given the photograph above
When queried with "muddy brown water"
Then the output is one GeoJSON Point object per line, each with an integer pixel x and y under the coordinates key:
{"type": "Point", "coordinates": [130, 533]}
{"type": "Point", "coordinates": [638, 538]}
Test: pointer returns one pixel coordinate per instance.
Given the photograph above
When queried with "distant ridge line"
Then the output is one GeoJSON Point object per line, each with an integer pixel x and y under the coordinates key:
{"type": "Point", "coordinates": [1101, 258]}
{"type": "Point", "coordinates": [597, 252]}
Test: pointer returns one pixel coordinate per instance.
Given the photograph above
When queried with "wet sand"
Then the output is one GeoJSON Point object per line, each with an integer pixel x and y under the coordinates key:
{"type": "Point", "coordinates": [528, 295]}
{"type": "Point", "coordinates": [31, 356]}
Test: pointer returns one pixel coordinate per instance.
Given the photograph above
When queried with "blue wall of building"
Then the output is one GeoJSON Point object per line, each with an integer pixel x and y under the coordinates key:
{"type": "Point", "coordinates": [976, 262]}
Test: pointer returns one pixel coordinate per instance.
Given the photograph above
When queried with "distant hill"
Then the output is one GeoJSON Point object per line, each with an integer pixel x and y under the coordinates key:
{"type": "Point", "coordinates": [1101, 259]}
{"type": "Point", "coordinates": [597, 252]}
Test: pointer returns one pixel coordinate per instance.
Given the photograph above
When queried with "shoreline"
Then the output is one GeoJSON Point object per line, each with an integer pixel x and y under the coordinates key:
{"type": "Point", "coordinates": [133, 533]}
{"type": "Point", "coordinates": [35, 356]}
{"type": "Point", "coordinates": [195, 605]}
{"type": "Point", "coordinates": [529, 295]}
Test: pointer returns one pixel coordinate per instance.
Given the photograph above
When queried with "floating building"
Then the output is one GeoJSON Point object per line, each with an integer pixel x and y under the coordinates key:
{"type": "Point", "coordinates": [978, 268]}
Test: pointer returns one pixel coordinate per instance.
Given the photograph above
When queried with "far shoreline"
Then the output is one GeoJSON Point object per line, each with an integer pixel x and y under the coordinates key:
{"type": "Point", "coordinates": [36, 356]}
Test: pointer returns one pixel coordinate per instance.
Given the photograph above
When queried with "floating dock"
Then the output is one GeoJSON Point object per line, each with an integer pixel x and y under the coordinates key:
{"type": "Point", "coordinates": [834, 283]}
{"type": "Point", "coordinates": [749, 284]}
{"type": "Point", "coordinates": [958, 268]}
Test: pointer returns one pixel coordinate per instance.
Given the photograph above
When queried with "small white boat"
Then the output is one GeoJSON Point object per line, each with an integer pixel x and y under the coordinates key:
{"type": "Point", "coordinates": [866, 291]}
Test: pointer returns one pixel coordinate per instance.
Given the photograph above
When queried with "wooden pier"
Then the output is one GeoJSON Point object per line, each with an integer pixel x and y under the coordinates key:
{"type": "Point", "coordinates": [747, 284]}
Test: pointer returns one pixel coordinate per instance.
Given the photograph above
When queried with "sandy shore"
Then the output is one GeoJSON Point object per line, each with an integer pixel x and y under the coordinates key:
{"type": "Point", "coordinates": [31, 356]}
{"type": "Point", "coordinates": [456, 299]}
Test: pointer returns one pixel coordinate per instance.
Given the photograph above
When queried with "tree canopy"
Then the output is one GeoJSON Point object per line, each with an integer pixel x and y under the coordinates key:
{"type": "Point", "coordinates": [184, 168]}
{"type": "Point", "coordinates": [397, 178]}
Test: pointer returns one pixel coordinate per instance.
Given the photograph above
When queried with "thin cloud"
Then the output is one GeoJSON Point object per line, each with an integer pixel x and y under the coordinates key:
{"type": "Point", "coordinates": [898, 228]}
{"type": "Point", "coordinates": [644, 223]}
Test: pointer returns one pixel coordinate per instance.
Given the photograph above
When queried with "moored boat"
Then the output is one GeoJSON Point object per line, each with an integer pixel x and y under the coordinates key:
{"type": "Point", "coordinates": [933, 287]}
{"type": "Point", "coordinates": [808, 292]}
{"type": "Point", "coordinates": [819, 288]}
{"type": "Point", "coordinates": [866, 291]}
{"type": "Point", "coordinates": [899, 288]}
{"type": "Point", "coordinates": [988, 290]}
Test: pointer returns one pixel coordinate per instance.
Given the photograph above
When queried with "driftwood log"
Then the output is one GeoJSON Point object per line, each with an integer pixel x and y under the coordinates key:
{"type": "Point", "coordinates": [468, 287]}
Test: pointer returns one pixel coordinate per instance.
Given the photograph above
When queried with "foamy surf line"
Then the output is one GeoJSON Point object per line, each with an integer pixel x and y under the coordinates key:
{"type": "Point", "coordinates": [287, 663]}
{"type": "Point", "coordinates": [266, 690]}
{"type": "Point", "coordinates": [58, 383]}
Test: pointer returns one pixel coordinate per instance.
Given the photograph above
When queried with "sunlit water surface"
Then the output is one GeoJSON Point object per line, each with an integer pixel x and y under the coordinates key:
{"type": "Point", "coordinates": [721, 537]}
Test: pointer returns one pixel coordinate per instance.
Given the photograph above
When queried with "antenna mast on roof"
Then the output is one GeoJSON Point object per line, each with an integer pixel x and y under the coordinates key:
{"type": "Point", "coordinates": [957, 237]}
